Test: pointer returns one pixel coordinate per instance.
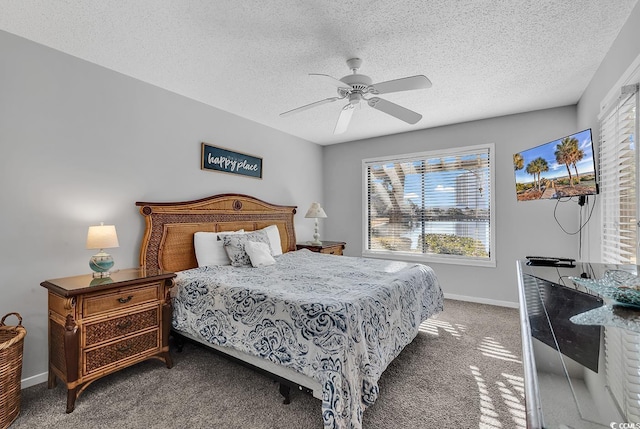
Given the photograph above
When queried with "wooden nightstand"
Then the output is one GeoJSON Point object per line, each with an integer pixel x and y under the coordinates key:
{"type": "Point", "coordinates": [99, 326]}
{"type": "Point", "coordinates": [330, 247]}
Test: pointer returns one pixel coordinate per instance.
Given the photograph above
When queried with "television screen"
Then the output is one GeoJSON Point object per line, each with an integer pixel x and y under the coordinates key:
{"type": "Point", "coordinates": [561, 168]}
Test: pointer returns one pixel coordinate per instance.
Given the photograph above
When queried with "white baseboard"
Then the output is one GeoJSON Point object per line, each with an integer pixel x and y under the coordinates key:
{"type": "Point", "coordinates": [33, 380]}
{"type": "Point", "coordinates": [482, 300]}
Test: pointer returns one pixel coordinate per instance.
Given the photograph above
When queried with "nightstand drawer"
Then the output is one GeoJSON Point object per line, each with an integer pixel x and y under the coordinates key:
{"type": "Point", "coordinates": [326, 247]}
{"type": "Point", "coordinates": [129, 347]}
{"type": "Point", "coordinates": [335, 250]}
{"type": "Point", "coordinates": [119, 299]}
{"type": "Point", "coordinates": [106, 330]}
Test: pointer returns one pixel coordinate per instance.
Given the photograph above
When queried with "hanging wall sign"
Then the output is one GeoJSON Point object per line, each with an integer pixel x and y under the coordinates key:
{"type": "Point", "coordinates": [227, 161]}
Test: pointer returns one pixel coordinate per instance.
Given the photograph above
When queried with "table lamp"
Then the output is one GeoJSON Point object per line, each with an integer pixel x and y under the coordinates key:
{"type": "Point", "coordinates": [316, 212]}
{"type": "Point", "coordinates": [101, 237]}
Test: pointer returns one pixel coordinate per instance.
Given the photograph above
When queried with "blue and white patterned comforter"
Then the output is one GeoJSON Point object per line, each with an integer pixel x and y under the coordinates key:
{"type": "Point", "coordinates": [340, 320]}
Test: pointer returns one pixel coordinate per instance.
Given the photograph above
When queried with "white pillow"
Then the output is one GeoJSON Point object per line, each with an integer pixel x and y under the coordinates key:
{"type": "Point", "coordinates": [274, 239]}
{"type": "Point", "coordinates": [234, 246]}
{"type": "Point", "coordinates": [210, 250]}
{"type": "Point", "coordinates": [259, 253]}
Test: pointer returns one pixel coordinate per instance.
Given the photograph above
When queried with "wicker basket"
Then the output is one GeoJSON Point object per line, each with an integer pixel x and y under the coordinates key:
{"type": "Point", "coordinates": [11, 344]}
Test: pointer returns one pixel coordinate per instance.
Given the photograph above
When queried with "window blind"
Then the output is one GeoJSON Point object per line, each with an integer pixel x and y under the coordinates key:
{"type": "Point", "coordinates": [618, 180]}
{"type": "Point", "coordinates": [433, 203]}
{"type": "Point", "coordinates": [622, 357]}
{"type": "Point", "coordinates": [618, 195]}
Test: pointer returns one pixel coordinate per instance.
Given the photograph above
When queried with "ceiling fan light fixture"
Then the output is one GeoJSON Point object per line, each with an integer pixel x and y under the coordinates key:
{"type": "Point", "coordinates": [355, 98]}
{"type": "Point", "coordinates": [355, 86]}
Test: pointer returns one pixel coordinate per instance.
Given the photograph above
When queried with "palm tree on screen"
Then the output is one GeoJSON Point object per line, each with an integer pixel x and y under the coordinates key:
{"type": "Point", "coordinates": [578, 154]}
{"type": "Point", "coordinates": [568, 153]}
{"type": "Point", "coordinates": [518, 162]}
{"type": "Point", "coordinates": [536, 168]}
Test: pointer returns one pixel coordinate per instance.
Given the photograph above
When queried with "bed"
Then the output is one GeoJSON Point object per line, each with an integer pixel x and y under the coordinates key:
{"type": "Point", "coordinates": [325, 324]}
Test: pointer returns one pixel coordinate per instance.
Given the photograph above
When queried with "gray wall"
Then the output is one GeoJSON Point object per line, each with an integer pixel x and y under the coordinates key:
{"type": "Point", "coordinates": [81, 144]}
{"type": "Point", "coordinates": [522, 228]}
{"type": "Point", "coordinates": [624, 51]}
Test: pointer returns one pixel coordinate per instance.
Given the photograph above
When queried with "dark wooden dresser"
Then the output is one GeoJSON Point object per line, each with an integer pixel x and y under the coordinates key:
{"type": "Point", "coordinates": [100, 325]}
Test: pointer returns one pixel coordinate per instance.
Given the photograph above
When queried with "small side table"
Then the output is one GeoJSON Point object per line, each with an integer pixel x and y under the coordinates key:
{"type": "Point", "coordinates": [98, 326]}
{"type": "Point", "coordinates": [328, 247]}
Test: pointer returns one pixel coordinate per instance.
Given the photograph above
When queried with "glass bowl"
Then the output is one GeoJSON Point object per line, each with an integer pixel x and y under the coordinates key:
{"type": "Point", "coordinates": [621, 286]}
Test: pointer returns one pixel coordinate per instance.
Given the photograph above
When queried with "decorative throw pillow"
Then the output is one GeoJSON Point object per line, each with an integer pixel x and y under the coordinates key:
{"type": "Point", "coordinates": [234, 246]}
{"type": "Point", "coordinates": [259, 254]}
{"type": "Point", "coordinates": [274, 239]}
{"type": "Point", "coordinates": [209, 249]}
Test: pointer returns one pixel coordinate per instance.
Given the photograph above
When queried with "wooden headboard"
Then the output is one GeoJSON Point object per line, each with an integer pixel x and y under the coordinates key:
{"type": "Point", "coordinates": [167, 243]}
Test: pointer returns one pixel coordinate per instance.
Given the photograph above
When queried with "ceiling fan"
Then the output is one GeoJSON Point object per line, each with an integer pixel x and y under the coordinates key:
{"type": "Point", "coordinates": [355, 87]}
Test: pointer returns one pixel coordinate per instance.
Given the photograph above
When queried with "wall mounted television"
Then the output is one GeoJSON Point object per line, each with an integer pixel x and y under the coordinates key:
{"type": "Point", "coordinates": [561, 168]}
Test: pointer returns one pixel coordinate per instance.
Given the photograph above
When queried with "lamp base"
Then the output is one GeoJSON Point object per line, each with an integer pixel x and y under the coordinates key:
{"type": "Point", "coordinates": [316, 235]}
{"type": "Point", "coordinates": [97, 281]}
{"type": "Point", "coordinates": [101, 263]}
{"type": "Point", "coordinates": [101, 275]}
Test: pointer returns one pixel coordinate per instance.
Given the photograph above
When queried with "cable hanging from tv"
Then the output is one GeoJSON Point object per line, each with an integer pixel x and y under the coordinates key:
{"type": "Point", "coordinates": [582, 225]}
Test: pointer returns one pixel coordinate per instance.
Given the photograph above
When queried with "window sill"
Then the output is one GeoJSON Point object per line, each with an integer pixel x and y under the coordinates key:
{"type": "Point", "coordinates": [427, 259]}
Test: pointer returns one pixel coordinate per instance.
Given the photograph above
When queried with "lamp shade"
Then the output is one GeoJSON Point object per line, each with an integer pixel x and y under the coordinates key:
{"type": "Point", "coordinates": [102, 237]}
{"type": "Point", "coordinates": [315, 211]}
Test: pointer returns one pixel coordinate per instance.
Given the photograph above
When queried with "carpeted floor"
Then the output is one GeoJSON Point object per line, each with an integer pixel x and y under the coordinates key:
{"type": "Point", "coordinates": [463, 370]}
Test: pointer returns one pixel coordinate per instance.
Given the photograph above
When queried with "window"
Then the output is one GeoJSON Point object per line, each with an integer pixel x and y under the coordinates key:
{"type": "Point", "coordinates": [618, 179]}
{"type": "Point", "coordinates": [619, 202]}
{"type": "Point", "coordinates": [433, 206]}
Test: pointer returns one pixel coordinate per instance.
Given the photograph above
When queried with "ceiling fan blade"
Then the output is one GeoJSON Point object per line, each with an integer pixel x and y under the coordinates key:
{"type": "Point", "coordinates": [403, 84]}
{"type": "Point", "coordinates": [331, 80]}
{"type": "Point", "coordinates": [309, 106]}
{"type": "Point", "coordinates": [344, 119]}
{"type": "Point", "coordinates": [393, 109]}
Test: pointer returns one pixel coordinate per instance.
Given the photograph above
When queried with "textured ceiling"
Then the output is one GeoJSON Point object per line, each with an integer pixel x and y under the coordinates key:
{"type": "Point", "coordinates": [252, 57]}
